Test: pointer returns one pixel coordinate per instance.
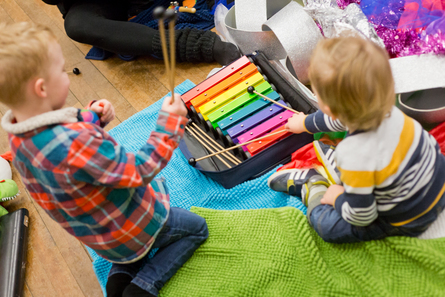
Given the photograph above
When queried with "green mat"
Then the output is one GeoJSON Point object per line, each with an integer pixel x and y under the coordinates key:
{"type": "Point", "coordinates": [274, 252]}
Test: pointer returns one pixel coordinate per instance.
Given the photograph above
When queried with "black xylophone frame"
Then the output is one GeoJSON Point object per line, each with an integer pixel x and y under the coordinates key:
{"type": "Point", "coordinates": [251, 167]}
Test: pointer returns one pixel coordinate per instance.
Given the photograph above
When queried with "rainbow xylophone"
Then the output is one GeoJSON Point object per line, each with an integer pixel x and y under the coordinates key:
{"type": "Point", "coordinates": [222, 105]}
{"type": "Point", "coordinates": [224, 115]}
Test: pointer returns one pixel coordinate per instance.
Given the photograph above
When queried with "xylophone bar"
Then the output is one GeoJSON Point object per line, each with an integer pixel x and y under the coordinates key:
{"type": "Point", "coordinates": [214, 79]}
{"type": "Point", "coordinates": [263, 128]}
{"type": "Point", "coordinates": [224, 85]}
{"type": "Point", "coordinates": [256, 147]}
{"type": "Point", "coordinates": [256, 119]}
{"type": "Point", "coordinates": [225, 97]}
{"type": "Point", "coordinates": [243, 113]}
{"type": "Point", "coordinates": [224, 111]}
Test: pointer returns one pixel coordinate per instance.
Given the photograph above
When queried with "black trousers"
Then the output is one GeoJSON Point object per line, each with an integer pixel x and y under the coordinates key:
{"type": "Point", "coordinates": [103, 23]}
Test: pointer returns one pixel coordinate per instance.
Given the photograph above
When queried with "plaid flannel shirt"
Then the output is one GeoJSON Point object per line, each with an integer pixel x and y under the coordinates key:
{"type": "Point", "coordinates": [90, 185]}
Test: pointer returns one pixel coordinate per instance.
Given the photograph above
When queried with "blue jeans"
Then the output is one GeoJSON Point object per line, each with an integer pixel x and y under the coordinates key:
{"type": "Point", "coordinates": [181, 235]}
{"type": "Point", "coordinates": [331, 227]}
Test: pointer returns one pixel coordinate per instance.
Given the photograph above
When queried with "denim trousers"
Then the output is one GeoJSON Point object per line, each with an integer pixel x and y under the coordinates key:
{"type": "Point", "coordinates": [331, 227]}
{"type": "Point", "coordinates": [180, 236]}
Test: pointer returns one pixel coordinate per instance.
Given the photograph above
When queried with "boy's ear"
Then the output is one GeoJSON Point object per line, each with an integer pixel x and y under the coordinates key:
{"type": "Point", "coordinates": [39, 88]}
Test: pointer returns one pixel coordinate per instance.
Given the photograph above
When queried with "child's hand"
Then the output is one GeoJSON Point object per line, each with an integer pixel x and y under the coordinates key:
{"type": "Point", "coordinates": [104, 110]}
{"type": "Point", "coordinates": [178, 107]}
{"type": "Point", "coordinates": [295, 124]}
{"type": "Point", "coordinates": [331, 194]}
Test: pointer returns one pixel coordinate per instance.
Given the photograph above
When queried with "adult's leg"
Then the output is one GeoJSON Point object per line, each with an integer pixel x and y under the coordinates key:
{"type": "Point", "coordinates": [181, 235]}
{"type": "Point", "coordinates": [103, 23]}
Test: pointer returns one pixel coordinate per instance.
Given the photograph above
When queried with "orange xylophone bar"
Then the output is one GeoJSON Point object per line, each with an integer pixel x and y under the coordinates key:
{"type": "Point", "coordinates": [214, 79]}
{"type": "Point", "coordinates": [222, 86]}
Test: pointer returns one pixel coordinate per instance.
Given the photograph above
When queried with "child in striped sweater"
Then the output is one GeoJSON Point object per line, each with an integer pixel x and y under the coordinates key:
{"type": "Point", "coordinates": [392, 172]}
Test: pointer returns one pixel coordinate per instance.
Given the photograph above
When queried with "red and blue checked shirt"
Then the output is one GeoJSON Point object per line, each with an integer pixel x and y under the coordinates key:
{"type": "Point", "coordinates": [90, 185]}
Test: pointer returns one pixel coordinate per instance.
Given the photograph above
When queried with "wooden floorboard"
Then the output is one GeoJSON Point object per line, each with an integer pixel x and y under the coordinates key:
{"type": "Point", "coordinates": [58, 264]}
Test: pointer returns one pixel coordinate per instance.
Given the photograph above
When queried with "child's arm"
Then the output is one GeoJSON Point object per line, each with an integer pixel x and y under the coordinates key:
{"type": "Point", "coordinates": [96, 160]}
{"type": "Point", "coordinates": [356, 209]}
{"type": "Point", "coordinates": [313, 123]}
{"type": "Point", "coordinates": [104, 109]}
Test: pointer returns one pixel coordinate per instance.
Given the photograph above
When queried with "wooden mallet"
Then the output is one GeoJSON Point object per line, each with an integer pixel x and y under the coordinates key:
{"type": "Point", "coordinates": [161, 14]}
{"type": "Point", "coordinates": [75, 71]}
{"type": "Point", "coordinates": [192, 161]}
{"type": "Point", "coordinates": [170, 16]}
{"type": "Point", "coordinates": [251, 90]}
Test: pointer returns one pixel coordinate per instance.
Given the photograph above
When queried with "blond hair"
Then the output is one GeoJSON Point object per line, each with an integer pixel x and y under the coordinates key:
{"type": "Point", "coordinates": [352, 76]}
{"type": "Point", "coordinates": [24, 54]}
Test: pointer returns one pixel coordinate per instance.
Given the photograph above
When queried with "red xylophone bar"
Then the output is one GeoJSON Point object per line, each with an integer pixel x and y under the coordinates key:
{"type": "Point", "coordinates": [214, 79]}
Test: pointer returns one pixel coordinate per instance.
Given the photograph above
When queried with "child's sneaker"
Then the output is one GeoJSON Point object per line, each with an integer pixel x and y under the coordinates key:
{"type": "Point", "coordinates": [311, 188]}
{"type": "Point", "coordinates": [8, 190]}
{"type": "Point", "coordinates": [290, 180]}
{"type": "Point", "coordinates": [325, 154]}
{"type": "Point", "coordinates": [312, 192]}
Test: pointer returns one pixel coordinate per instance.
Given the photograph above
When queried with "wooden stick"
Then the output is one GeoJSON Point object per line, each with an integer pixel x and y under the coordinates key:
{"type": "Point", "coordinates": [240, 145]}
{"type": "Point", "coordinates": [215, 145]}
{"type": "Point", "coordinates": [164, 47]}
{"type": "Point", "coordinates": [275, 102]}
{"type": "Point", "coordinates": [210, 144]}
{"type": "Point", "coordinates": [203, 144]}
{"type": "Point", "coordinates": [171, 28]}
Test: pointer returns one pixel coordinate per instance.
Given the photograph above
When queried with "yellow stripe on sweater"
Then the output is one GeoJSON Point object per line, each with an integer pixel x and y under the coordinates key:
{"type": "Point", "coordinates": [365, 179]}
{"type": "Point", "coordinates": [421, 214]}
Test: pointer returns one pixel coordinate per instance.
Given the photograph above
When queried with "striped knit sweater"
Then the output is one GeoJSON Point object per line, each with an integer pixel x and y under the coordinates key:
{"type": "Point", "coordinates": [396, 170]}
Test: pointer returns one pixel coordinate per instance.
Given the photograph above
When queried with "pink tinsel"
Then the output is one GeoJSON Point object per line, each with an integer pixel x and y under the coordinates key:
{"type": "Point", "coordinates": [400, 43]}
{"type": "Point", "coordinates": [343, 3]}
{"type": "Point", "coordinates": [404, 42]}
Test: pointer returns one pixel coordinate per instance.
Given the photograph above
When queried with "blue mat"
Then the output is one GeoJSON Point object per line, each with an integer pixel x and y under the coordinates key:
{"type": "Point", "coordinates": [187, 186]}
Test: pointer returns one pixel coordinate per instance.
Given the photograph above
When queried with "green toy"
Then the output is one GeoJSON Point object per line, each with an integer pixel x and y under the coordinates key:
{"type": "Point", "coordinates": [3, 211]}
{"type": "Point", "coordinates": [8, 190]}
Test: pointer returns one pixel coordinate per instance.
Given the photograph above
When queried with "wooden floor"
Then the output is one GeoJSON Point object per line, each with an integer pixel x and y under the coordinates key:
{"type": "Point", "coordinates": [58, 264]}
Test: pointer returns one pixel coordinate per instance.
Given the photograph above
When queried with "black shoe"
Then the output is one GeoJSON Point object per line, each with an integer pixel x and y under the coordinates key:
{"type": "Point", "coordinates": [134, 291]}
{"type": "Point", "coordinates": [117, 283]}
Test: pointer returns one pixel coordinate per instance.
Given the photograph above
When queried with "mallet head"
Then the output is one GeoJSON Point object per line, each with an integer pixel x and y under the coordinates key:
{"type": "Point", "coordinates": [192, 161]}
{"type": "Point", "coordinates": [159, 12]}
{"type": "Point", "coordinates": [250, 89]}
{"type": "Point", "coordinates": [170, 15]}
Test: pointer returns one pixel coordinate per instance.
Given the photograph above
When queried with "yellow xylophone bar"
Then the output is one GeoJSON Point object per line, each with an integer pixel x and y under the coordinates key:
{"type": "Point", "coordinates": [232, 93]}
{"type": "Point", "coordinates": [224, 85]}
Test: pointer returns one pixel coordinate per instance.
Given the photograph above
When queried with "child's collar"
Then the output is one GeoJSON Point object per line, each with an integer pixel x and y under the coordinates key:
{"type": "Point", "coordinates": [60, 116]}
